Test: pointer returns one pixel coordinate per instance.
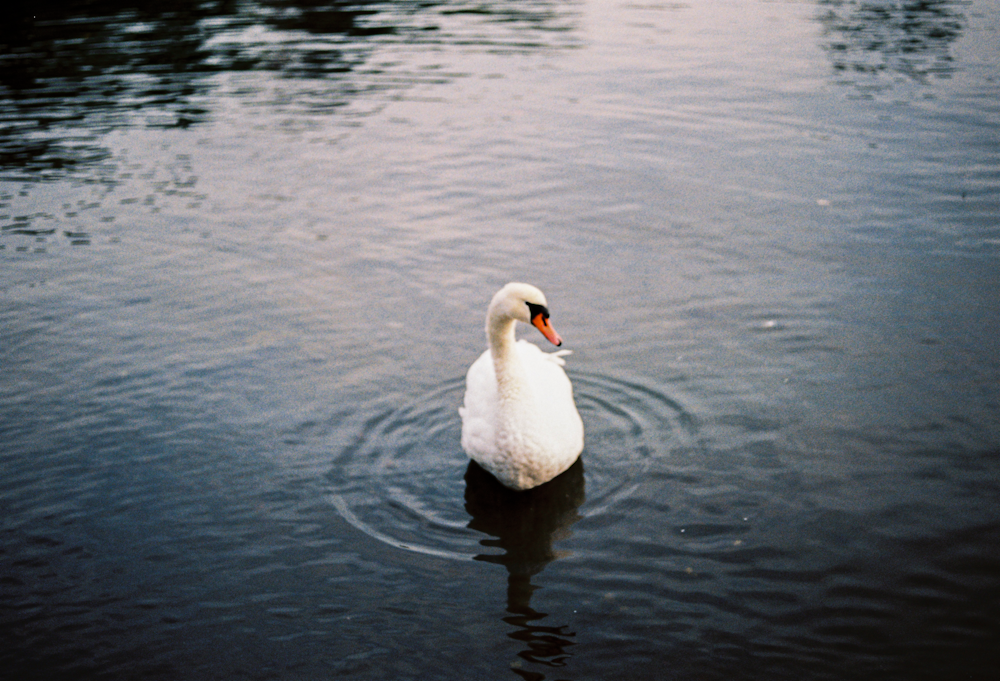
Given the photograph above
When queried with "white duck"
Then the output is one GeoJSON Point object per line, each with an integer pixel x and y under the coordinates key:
{"type": "Point", "coordinates": [519, 420]}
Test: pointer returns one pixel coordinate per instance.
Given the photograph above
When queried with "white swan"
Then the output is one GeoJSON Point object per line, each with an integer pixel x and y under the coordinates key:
{"type": "Point", "coordinates": [519, 421]}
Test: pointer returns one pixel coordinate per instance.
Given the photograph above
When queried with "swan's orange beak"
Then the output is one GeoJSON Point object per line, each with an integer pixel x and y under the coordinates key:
{"type": "Point", "coordinates": [541, 322]}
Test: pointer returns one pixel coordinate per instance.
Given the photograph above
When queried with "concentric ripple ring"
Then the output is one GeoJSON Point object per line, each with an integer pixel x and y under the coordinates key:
{"type": "Point", "coordinates": [401, 480]}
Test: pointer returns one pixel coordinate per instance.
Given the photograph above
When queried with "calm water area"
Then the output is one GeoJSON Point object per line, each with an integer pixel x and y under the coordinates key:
{"type": "Point", "coordinates": [246, 249]}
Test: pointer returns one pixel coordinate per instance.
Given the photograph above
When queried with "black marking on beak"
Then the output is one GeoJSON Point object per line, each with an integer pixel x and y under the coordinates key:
{"type": "Point", "coordinates": [535, 310]}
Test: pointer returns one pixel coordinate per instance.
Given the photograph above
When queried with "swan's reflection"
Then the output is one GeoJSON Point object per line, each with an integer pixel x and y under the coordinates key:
{"type": "Point", "coordinates": [524, 525]}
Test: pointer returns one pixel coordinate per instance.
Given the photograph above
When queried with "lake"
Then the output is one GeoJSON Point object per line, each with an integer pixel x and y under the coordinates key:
{"type": "Point", "coordinates": [246, 250]}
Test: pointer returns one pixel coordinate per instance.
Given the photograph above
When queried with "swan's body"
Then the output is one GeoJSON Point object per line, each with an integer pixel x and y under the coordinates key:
{"type": "Point", "coordinates": [519, 421]}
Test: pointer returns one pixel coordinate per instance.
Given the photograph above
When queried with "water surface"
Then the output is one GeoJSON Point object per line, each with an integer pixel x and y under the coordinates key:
{"type": "Point", "coordinates": [245, 255]}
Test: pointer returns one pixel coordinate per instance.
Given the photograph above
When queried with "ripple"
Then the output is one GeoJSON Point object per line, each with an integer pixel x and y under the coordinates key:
{"type": "Point", "coordinates": [629, 425]}
{"type": "Point", "coordinates": [401, 480]}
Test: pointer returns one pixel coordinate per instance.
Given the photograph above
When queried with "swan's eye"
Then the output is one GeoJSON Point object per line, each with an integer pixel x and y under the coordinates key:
{"type": "Point", "coordinates": [535, 310]}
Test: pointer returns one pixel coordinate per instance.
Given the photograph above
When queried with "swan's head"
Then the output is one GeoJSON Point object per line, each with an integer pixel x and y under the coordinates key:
{"type": "Point", "coordinates": [525, 303]}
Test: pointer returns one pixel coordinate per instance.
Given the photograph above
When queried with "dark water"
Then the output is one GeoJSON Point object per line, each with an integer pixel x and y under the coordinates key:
{"type": "Point", "coordinates": [245, 254]}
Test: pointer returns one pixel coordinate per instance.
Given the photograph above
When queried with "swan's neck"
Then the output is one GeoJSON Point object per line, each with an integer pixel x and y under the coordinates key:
{"type": "Point", "coordinates": [509, 372]}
